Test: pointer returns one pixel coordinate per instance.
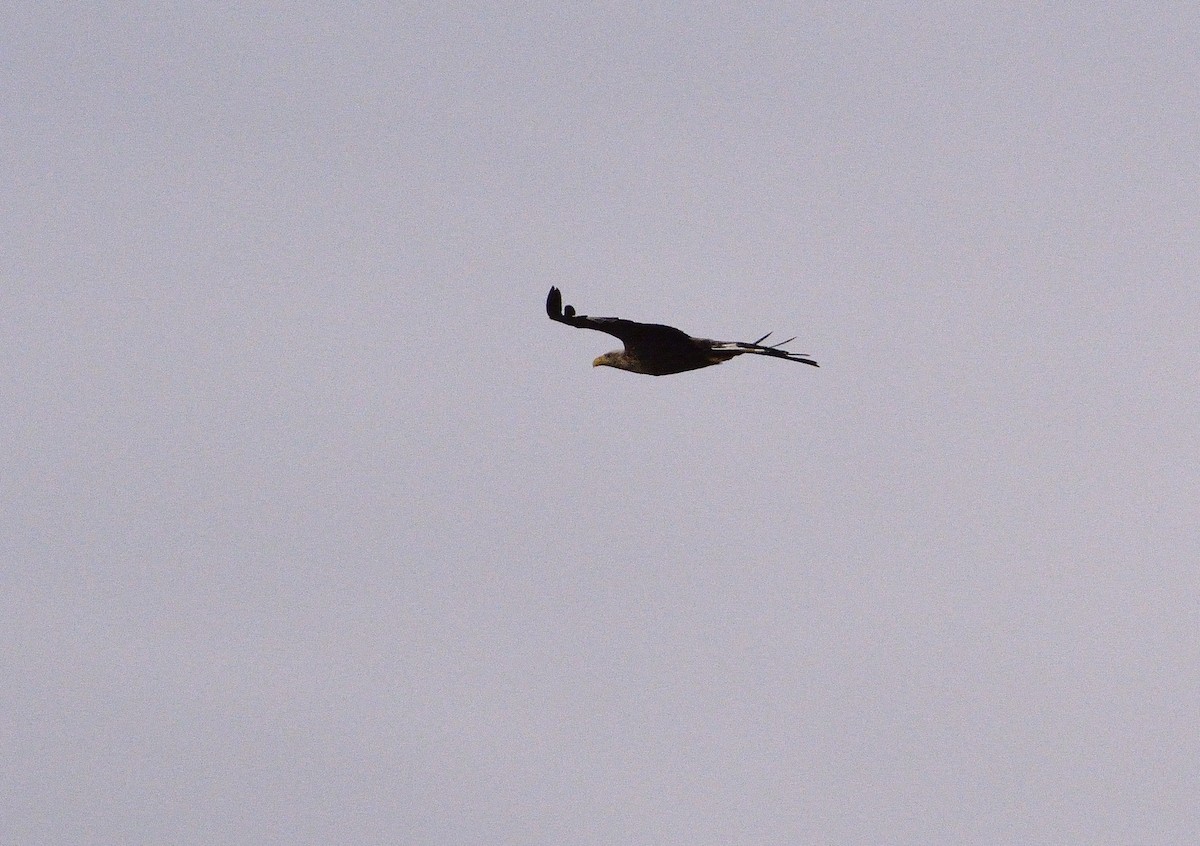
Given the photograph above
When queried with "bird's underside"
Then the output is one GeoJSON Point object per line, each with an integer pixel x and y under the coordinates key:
{"type": "Point", "coordinates": [658, 350]}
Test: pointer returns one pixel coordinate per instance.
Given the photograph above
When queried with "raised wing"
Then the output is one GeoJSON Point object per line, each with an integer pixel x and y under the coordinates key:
{"type": "Point", "coordinates": [634, 334]}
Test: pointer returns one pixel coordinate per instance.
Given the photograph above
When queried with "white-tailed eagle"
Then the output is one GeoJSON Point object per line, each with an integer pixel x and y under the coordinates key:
{"type": "Point", "coordinates": [658, 350]}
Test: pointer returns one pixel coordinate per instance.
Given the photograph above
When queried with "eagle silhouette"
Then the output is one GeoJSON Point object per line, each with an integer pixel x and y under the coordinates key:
{"type": "Point", "coordinates": [657, 350]}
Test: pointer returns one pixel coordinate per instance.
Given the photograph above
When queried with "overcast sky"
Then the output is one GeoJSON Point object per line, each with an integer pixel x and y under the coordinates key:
{"type": "Point", "coordinates": [316, 530]}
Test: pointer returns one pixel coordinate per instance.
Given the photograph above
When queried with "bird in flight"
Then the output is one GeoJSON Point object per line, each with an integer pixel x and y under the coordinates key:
{"type": "Point", "coordinates": [658, 350]}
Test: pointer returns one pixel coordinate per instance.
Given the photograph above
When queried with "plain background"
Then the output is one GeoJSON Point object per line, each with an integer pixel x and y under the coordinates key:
{"type": "Point", "coordinates": [316, 530]}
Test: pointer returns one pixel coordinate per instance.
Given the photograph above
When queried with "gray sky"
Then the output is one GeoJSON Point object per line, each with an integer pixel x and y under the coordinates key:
{"type": "Point", "coordinates": [316, 530]}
